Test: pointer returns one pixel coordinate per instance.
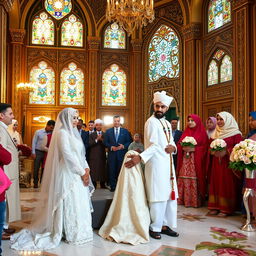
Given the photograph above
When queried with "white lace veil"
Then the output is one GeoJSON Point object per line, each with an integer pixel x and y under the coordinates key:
{"type": "Point", "coordinates": [53, 191]}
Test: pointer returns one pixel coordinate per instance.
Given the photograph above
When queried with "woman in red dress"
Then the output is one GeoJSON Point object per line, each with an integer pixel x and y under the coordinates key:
{"type": "Point", "coordinates": [191, 168]}
{"type": "Point", "coordinates": [225, 184]}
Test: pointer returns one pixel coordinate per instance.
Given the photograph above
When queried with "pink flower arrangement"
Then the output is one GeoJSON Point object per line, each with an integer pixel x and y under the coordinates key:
{"type": "Point", "coordinates": [230, 252]}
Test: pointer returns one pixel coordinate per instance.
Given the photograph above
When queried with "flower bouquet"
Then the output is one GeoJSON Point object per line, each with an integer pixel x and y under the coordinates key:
{"type": "Point", "coordinates": [218, 145]}
{"type": "Point", "coordinates": [243, 156]}
{"type": "Point", "coordinates": [188, 142]}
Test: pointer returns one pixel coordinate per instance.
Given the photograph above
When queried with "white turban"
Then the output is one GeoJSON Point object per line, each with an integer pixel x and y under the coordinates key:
{"type": "Point", "coordinates": [98, 121]}
{"type": "Point", "coordinates": [162, 97]}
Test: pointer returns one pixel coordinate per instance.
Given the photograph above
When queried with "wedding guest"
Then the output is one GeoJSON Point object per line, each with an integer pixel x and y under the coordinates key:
{"type": "Point", "coordinates": [252, 135]}
{"type": "Point", "coordinates": [13, 131]}
{"type": "Point", "coordinates": [225, 184]}
{"type": "Point", "coordinates": [191, 164]}
{"type": "Point", "coordinates": [97, 157]}
{"type": "Point", "coordinates": [210, 126]}
{"type": "Point", "coordinates": [84, 135]}
{"type": "Point", "coordinates": [61, 211]}
{"type": "Point", "coordinates": [5, 159]}
{"type": "Point", "coordinates": [37, 152]}
{"type": "Point", "coordinates": [117, 140]}
{"type": "Point", "coordinates": [176, 134]}
{"type": "Point", "coordinates": [136, 145]}
{"type": "Point", "coordinates": [91, 129]}
{"type": "Point", "coordinates": [13, 210]}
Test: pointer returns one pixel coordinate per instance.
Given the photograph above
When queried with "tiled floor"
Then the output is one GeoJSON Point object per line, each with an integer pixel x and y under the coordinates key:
{"type": "Point", "coordinates": [200, 235]}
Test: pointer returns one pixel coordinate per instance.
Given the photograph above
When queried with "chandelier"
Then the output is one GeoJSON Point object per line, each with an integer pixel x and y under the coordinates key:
{"type": "Point", "coordinates": [130, 14]}
{"type": "Point", "coordinates": [26, 87]}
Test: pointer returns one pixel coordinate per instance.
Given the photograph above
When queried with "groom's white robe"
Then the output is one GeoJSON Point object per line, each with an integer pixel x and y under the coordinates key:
{"type": "Point", "coordinates": [12, 171]}
{"type": "Point", "coordinates": [157, 165]}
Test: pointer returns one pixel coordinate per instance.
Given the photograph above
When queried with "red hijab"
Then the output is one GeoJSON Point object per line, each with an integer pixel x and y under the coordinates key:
{"type": "Point", "coordinates": [201, 137]}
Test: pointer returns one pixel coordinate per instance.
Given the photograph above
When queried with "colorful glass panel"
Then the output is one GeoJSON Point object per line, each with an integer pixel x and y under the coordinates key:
{"type": "Point", "coordinates": [58, 8]}
{"type": "Point", "coordinates": [218, 55]}
{"type": "Point", "coordinates": [114, 37]}
{"type": "Point", "coordinates": [219, 13]}
{"type": "Point", "coordinates": [163, 54]}
{"type": "Point", "coordinates": [43, 30]}
{"type": "Point", "coordinates": [72, 85]}
{"type": "Point", "coordinates": [72, 32]}
{"type": "Point", "coordinates": [226, 69]}
{"type": "Point", "coordinates": [114, 87]}
{"type": "Point", "coordinates": [44, 79]}
{"type": "Point", "coordinates": [213, 73]}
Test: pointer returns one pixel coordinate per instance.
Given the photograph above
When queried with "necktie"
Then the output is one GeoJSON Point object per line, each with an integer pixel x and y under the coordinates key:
{"type": "Point", "coordinates": [116, 134]}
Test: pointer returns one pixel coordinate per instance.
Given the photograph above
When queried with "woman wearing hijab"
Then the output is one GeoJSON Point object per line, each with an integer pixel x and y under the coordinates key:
{"type": "Point", "coordinates": [12, 129]}
{"type": "Point", "coordinates": [192, 170]}
{"type": "Point", "coordinates": [225, 185]}
{"type": "Point", "coordinates": [210, 126]}
{"type": "Point", "coordinates": [64, 210]}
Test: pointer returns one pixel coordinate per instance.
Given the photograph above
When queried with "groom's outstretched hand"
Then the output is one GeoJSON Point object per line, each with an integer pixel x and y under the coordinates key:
{"type": "Point", "coordinates": [135, 159]}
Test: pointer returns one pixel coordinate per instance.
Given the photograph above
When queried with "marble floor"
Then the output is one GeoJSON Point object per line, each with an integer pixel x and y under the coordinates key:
{"type": "Point", "coordinates": [200, 235]}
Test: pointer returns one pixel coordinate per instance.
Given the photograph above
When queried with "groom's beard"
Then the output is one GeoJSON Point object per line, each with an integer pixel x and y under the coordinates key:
{"type": "Point", "coordinates": [159, 114]}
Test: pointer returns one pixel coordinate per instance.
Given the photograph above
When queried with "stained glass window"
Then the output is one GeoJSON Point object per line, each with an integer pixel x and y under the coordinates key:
{"type": "Point", "coordinates": [114, 87]}
{"type": "Point", "coordinates": [72, 32]}
{"type": "Point", "coordinates": [43, 77]}
{"type": "Point", "coordinates": [218, 55]}
{"type": "Point", "coordinates": [43, 30]}
{"type": "Point", "coordinates": [58, 8]}
{"type": "Point", "coordinates": [114, 37]}
{"type": "Point", "coordinates": [226, 69]}
{"type": "Point", "coordinates": [219, 13]}
{"type": "Point", "coordinates": [72, 85]}
{"type": "Point", "coordinates": [163, 54]}
{"type": "Point", "coordinates": [212, 73]}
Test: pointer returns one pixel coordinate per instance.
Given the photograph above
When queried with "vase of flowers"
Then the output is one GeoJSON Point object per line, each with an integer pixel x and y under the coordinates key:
{"type": "Point", "coordinates": [188, 145]}
{"type": "Point", "coordinates": [218, 145]}
{"type": "Point", "coordinates": [243, 157]}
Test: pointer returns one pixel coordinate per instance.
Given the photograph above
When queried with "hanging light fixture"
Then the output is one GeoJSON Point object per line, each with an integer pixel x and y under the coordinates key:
{"type": "Point", "coordinates": [130, 14]}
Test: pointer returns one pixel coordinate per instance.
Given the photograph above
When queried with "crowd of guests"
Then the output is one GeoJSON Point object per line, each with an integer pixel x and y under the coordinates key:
{"type": "Point", "coordinates": [203, 176]}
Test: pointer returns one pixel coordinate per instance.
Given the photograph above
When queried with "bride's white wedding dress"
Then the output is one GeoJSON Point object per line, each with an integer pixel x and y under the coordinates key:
{"type": "Point", "coordinates": [66, 209]}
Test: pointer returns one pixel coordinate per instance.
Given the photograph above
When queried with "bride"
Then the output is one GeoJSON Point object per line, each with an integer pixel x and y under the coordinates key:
{"type": "Point", "coordinates": [64, 210]}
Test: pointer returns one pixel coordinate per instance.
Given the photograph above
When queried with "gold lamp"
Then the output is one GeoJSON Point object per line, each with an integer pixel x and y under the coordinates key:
{"type": "Point", "coordinates": [130, 14]}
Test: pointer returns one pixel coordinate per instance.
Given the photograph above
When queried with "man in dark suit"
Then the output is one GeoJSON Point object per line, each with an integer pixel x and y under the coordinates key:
{"type": "Point", "coordinates": [176, 134]}
{"type": "Point", "coordinates": [117, 140]}
{"type": "Point", "coordinates": [84, 134]}
{"type": "Point", "coordinates": [97, 158]}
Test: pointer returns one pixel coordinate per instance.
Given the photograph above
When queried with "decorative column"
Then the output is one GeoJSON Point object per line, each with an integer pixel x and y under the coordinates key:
{"type": "Point", "coordinates": [243, 40]}
{"type": "Point", "coordinates": [17, 72]}
{"type": "Point", "coordinates": [93, 63]}
{"type": "Point", "coordinates": [5, 6]}
{"type": "Point", "coordinates": [136, 92]}
{"type": "Point", "coordinates": [192, 75]}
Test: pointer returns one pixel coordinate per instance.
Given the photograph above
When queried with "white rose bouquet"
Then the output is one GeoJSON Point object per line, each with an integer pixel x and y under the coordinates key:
{"type": "Point", "coordinates": [243, 156]}
{"type": "Point", "coordinates": [218, 145]}
{"type": "Point", "coordinates": [188, 142]}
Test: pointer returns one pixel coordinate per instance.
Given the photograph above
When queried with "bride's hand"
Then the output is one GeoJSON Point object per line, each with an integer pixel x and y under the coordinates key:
{"type": "Point", "coordinates": [85, 177]}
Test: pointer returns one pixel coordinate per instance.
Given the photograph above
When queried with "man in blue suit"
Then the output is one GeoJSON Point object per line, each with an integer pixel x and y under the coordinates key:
{"type": "Point", "coordinates": [117, 140]}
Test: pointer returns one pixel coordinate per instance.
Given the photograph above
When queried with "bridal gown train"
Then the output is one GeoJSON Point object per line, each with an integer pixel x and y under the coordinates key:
{"type": "Point", "coordinates": [69, 216]}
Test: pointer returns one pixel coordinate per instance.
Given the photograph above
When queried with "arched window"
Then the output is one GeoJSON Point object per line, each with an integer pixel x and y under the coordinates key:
{"type": "Point", "coordinates": [44, 79]}
{"type": "Point", "coordinates": [213, 73]}
{"type": "Point", "coordinates": [72, 32]}
{"type": "Point", "coordinates": [226, 69]}
{"type": "Point", "coordinates": [220, 68]}
{"type": "Point", "coordinates": [72, 85]}
{"type": "Point", "coordinates": [58, 8]}
{"type": "Point", "coordinates": [114, 86]}
{"type": "Point", "coordinates": [163, 54]}
{"type": "Point", "coordinates": [114, 37]}
{"type": "Point", "coordinates": [43, 30]}
{"type": "Point", "coordinates": [219, 13]}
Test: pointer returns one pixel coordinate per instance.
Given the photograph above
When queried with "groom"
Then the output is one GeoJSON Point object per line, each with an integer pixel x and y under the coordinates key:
{"type": "Point", "coordinates": [160, 177]}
